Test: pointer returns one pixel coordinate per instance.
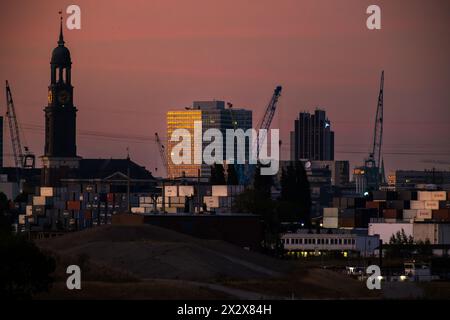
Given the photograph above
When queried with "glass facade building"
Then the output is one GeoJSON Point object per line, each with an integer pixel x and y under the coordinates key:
{"type": "Point", "coordinates": [212, 114]}
{"type": "Point", "coordinates": [312, 137]}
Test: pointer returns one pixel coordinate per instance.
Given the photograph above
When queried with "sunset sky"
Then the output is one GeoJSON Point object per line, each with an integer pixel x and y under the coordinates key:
{"type": "Point", "coordinates": [135, 60]}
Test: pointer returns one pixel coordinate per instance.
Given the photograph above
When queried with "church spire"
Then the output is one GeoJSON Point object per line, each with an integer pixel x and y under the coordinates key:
{"type": "Point", "coordinates": [61, 37]}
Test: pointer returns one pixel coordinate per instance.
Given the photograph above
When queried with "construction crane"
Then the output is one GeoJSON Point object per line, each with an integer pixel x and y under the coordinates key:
{"type": "Point", "coordinates": [372, 175]}
{"type": "Point", "coordinates": [375, 155]}
{"type": "Point", "coordinates": [264, 124]}
{"type": "Point", "coordinates": [266, 120]}
{"type": "Point", "coordinates": [23, 158]}
{"type": "Point", "coordinates": [162, 152]}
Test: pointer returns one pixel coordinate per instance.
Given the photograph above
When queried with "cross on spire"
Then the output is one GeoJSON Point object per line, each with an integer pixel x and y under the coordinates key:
{"type": "Point", "coordinates": [61, 37]}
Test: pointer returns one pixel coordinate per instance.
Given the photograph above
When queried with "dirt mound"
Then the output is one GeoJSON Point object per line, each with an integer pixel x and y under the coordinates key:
{"type": "Point", "coordinates": [150, 252]}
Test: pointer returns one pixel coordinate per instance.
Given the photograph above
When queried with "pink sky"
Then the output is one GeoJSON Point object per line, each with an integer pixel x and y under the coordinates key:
{"type": "Point", "coordinates": [135, 60]}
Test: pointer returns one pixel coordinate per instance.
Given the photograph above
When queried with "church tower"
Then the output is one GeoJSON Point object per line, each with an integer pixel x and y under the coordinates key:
{"type": "Point", "coordinates": [60, 153]}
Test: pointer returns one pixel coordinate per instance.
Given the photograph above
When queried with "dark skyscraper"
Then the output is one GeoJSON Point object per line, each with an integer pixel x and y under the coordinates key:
{"type": "Point", "coordinates": [60, 154]}
{"type": "Point", "coordinates": [312, 137]}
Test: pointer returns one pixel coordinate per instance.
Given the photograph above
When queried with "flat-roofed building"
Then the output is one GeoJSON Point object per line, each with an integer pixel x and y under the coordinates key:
{"type": "Point", "coordinates": [212, 115]}
{"type": "Point", "coordinates": [330, 240]}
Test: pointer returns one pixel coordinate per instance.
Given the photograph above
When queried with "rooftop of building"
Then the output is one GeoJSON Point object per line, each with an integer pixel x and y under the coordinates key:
{"type": "Point", "coordinates": [103, 168]}
{"type": "Point", "coordinates": [330, 231]}
{"type": "Point", "coordinates": [213, 105]}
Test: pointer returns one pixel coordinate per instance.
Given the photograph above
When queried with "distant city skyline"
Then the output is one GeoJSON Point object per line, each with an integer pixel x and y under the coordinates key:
{"type": "Point", "coordinates": [133, 63]}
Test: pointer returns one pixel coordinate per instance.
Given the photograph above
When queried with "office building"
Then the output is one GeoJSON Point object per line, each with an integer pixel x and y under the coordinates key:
{"type": "Point", "coordinates": [1, 142]}
{"type": "Point", "coordinates": [312, 137]}
{"type": "Point", "coordinates": [212, 114]}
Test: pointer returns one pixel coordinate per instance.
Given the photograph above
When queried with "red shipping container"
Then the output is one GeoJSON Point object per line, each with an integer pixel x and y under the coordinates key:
{"type": "Point", "coordinates": [110, 197]}
{"type": "Point", "coordinates": [441, 215]}
{"type": "Point", "coordinates": [88, 215]}
{"type": "Point", "coordinates": [376, 204]}
{"type": "Point", "coordinates": [73, 205]}
{"type": "Point", "coordinates": [392, 214]}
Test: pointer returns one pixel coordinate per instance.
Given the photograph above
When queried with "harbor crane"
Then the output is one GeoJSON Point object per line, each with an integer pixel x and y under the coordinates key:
{"type": "Point", "coordinates": [162, 152]}
{"type": "Point", "coordinates": [23, 158]}
{"type": "Point", "coordinates": [375, 156]}
{"type": "Point", "coordinates": [371, 176]}
{"type": "Point", "coordinates": [264, 124]}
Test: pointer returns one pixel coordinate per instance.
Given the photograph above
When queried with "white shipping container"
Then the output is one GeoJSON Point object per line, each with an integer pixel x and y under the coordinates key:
{"type": "Point", "coordinates": [439, 195]}
{"type": "Point", "coordinates": [171, 210]}
{"type": "Point", "coordinates": [423, 214]}
{"type": "Point", "coordinates": [330, 212]}
{"type": "Point", "coordinates": [170, 191]}
{"type": "Point", "coordinates": [211, 201]}
{"type": "Point", "coordinates": [137, 210]}
{"type": "Point", "coordinates": [47, 192]}
{"type": "Point", "coordinates": [177, 200]}
{"type": "Point", "coordinates": [330, 222]}
{"type": "Point", "coordinates": [219, 191]}
{"type": "Point", "coordinates": [185, 191]}
{"type": "Point", "coordinates": [145, 200]}
{"type": "Point", "coordinates": [432, 204]}
{"type": "Point", "coordinates": [424, 195]}
{"type": "Point", "coordinates": [415, 204]}
{"type": "Point", "coordinates": [160, 200]}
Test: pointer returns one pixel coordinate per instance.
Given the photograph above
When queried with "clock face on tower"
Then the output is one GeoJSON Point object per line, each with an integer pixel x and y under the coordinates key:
{"type": "Point", "coordinates": [63, 97]}
{"type": "Point", "coordinates": [50, 96]}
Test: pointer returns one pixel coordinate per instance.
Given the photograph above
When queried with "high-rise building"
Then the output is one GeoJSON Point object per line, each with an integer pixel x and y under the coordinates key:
{"type": "Point", "coordinates": [312, 137]}
{"type": "Point", "coordinates": [212, 114]}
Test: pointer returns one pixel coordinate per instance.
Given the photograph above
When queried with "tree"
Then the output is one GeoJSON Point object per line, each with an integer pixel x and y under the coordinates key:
{"type": "Point", "coordinates": [262, 183]}
{"type": "Point", "coordinates": [258, 200]}
{"type": "Point", "coordinates": [217, 174]}
{"type": "Point", "coordinates": [400, 238]}
{"type": "Point", "coordinates": [424, 248]}
{"type": "Point", "coordinates": [304, 192]}
{"type": "Point", "coordinates": [232, 178]}
{"type": "Point", "coordinates": [24, 269]}
{"type": "Point", "coordinates": [295, 200]}
{"type": "Point", "coordinates": [6, 217]}
{"type": "Point", "coordinates": [400, 245]}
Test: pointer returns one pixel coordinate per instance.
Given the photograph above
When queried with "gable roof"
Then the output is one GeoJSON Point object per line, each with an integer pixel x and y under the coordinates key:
{"type": "Point", "coordinates": [106, 168]}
